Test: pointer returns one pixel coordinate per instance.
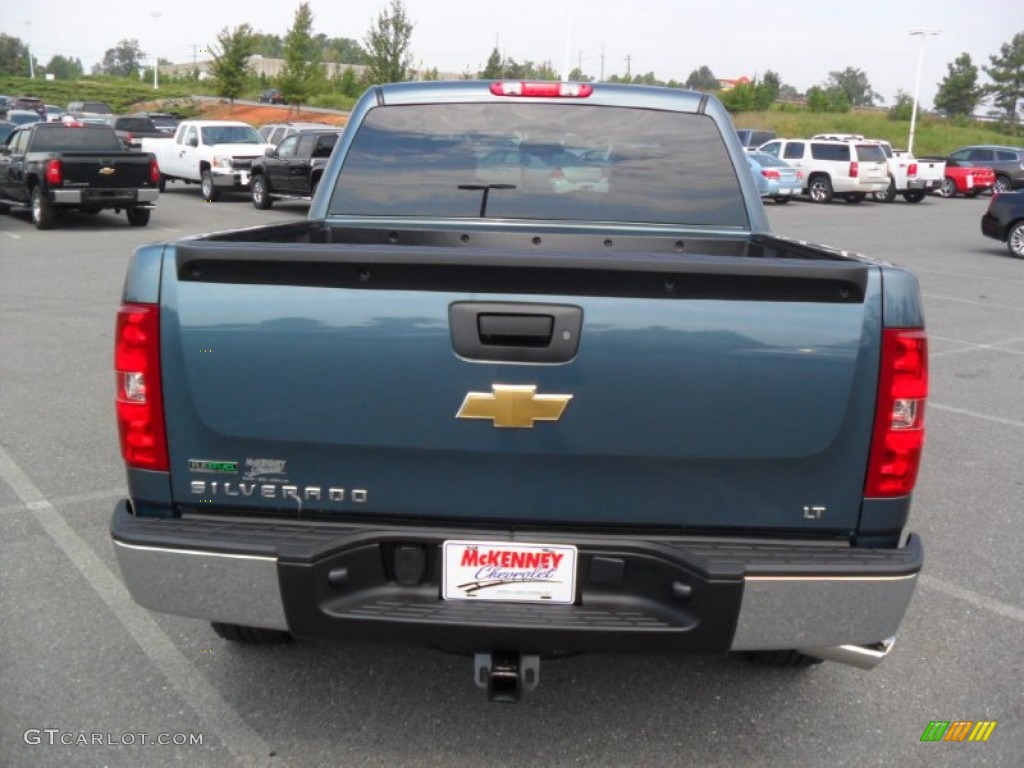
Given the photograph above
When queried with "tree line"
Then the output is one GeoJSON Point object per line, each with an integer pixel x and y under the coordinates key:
{"type": "Point", "coordinates": [383, 55]}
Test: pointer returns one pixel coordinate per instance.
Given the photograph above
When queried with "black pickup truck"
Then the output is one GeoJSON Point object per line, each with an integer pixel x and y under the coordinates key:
{"type": "Point", "coordinates": [49, 167]}
{"type": "Point", "coordinates": [292, 168]}
{"type": "Point", "coordinates": [131, 130]}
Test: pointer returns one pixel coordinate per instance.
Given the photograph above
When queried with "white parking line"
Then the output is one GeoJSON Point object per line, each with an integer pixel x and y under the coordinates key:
{"type": "Point", "coordinates": [216, 714]}
{"type": "Point", "coordinates": [13, 236]}
{"type": "Point", "coordinates": [971, 347]}
{"type": "Point", "coordinates": [975, 415]}
{"type": "Point", "coordinates": [111, 495]}
{"type": "Point", "coordinates": [974, 598]}
{"type": "Point", "coordinates": [988, 304]}
{"type": "Point", "coordinates": [1001, 279]}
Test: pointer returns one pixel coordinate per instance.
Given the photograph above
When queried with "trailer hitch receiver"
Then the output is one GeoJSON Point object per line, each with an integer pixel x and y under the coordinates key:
{"type": "Point", "coordinates": [506, 675]}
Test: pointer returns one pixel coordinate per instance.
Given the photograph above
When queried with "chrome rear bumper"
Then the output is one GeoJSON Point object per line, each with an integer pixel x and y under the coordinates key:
{"type": "Point", "coordinates": [815, 602]}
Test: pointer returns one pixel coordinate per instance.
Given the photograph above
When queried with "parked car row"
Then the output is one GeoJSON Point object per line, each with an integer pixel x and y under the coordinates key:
{"type": "Point", "coordinates": [847, 166]}
{"type": "Point", "coordinates": [830, 167]}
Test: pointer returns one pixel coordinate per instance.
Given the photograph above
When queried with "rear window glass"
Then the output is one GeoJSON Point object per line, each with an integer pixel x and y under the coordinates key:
{"type": "Point", "coordinates": [768, 161]}
{"type": "Point", "coordinates": [830, 151]}
{"type": "Point", "coordinates": [1005, 155]}
{"type": "Point", "coordinates": [95, 107]}
{"type": "Point", "coordinates": [540, 161]}
{"type": "Point", "coordinates": [56, 137]}
{"type": "Point", "coordinates": [870, 153]}
{"type": "Point", "coordinates": [140, 124]}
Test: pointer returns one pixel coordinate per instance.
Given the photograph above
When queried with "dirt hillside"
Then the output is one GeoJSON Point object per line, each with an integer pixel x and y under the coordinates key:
{"type": "Point", "coordinates": [255, 115]}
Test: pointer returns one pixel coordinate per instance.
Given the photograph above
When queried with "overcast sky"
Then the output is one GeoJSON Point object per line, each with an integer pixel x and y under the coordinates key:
{"type": "Point", "coordinates": [801, 40]}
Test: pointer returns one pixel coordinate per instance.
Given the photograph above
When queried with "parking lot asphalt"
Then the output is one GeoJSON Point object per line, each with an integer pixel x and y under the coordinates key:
{"type": "Point", "coordinates": [79, 661]}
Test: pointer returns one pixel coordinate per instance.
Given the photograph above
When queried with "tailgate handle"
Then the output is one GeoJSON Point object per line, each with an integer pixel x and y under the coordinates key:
{"type": "Point", "coordinates": [515, 332]}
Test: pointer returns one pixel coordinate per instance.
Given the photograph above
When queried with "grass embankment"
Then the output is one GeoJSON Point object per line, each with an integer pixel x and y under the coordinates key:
{"type": "Point", "coordinates": [119, 93]}
{"type": "Point", "coordinates": [932, 135]}
{"type": "Point", "coordinates": [127, 95]}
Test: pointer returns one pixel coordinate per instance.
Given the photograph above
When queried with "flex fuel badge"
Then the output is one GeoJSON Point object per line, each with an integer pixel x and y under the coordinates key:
{"type": "Point", "coordinates": [206, 465]}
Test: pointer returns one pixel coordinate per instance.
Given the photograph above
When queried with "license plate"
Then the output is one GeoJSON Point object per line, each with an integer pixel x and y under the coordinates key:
{"type": "Point", "coordinates": [507, 571]}
{"type": "Point", "coordinates": [970, 182]}
{"type": "Point", "coordinates": [243, 178]}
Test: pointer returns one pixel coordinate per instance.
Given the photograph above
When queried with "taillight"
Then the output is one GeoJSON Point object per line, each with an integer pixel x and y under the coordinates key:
{"type": "Point", "coordinates": [912, 169]}
{"type": "Point", "coordinates": [557, 175]}
{"type": "Point", "coordinates": [542, 89]}
{"type": "Point", "coordinates": [128, 138]}
{"type": "Point", "coordinates": [899, 415]}
{"type": "Point", "coordinates": [154, 171]}
{"type": "Point", "coordinates": [770, 174]}
{"type": "Point", "coordinates": [140, 411]}
{"type": "Point", "coordinates": [854, 169]}
{"type": "Point", "coordinates": [55, 172]}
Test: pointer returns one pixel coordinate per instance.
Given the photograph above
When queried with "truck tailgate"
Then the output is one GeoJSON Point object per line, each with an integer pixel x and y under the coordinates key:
{"type": "Point", "coordinates": [704, 393]}
{"type": "Point", "coordinates": [110, 170]}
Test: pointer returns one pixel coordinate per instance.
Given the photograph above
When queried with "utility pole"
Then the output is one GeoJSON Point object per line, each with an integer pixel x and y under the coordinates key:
{"type": "Point", "coordinates": [602, 63]}
{"type": "Point", "coordinates": [629, 64]}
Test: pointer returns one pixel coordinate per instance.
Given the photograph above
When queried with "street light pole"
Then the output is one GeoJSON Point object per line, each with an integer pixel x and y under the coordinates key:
{"type": "Point", "coordinates": [924, 34]}
{"type": "Point", "coordinates": [156, 58]}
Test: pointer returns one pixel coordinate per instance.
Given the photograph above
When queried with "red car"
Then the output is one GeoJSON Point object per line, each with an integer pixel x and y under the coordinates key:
{"type": "Point", "coordinates": [964, 178]}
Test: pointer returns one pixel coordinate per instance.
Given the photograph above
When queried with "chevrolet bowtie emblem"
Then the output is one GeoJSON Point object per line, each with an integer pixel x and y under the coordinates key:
{"type": "Point", "coordinates": [107, 170]}
{"type": "Point", "coordinates": [513, 406]}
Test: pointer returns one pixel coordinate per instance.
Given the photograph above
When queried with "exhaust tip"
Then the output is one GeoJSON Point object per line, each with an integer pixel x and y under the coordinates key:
{"type": "Point", "coordinates": [860, 656]}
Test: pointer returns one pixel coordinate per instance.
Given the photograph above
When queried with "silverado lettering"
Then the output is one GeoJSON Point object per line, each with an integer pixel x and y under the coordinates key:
{"type": "Point", "coordinates": [275, 491]}
{"type": "Point", "coordinates": [598, 242]}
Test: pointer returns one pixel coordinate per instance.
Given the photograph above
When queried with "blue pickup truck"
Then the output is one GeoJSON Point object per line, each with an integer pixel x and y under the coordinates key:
{"type": "Point", "coordinates": [533, 378]}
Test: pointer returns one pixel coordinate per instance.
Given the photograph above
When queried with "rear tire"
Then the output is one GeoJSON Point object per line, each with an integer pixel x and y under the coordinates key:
{"type": "Point", "coordinates": [1015, 240]}
{"type": "Point", "coordinates": [44, 214]}
{"type": "Point", "coordinates": [237, 633]}
{"type": "Point", "coordinates": [162, 184]}
{"type": "Point", "coordinates": [1003, 184]}
{"type": "Point", "coordinates": [781, 199]}
{"type": "Point", "coordinates": [914, 196]}
{"type": "Point", "coordinates": [210, 192]}
{"type": "Point", "coordinates": [138, 217]}
{"type": "Point", "coordinates": [819, 189]}
{"type": "Point", "coordinates": [854, 197]}
{"type": "Point", "coordinates": [888, 195]}
{"type": "Point", "coordinates": [788, 659]}
{"type": "Point", "coordinates": [947, 188]}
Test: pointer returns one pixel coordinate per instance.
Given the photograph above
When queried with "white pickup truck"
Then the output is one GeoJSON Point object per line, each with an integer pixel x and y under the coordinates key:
{"type": "Point", "coordinates": [217, 154]}
{"type": "Point", "coordinates": [908, 176]}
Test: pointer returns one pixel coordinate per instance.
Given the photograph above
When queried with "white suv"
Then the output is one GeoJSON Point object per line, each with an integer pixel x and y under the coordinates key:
{"type": "Point", "coordinates": [852, 169]}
